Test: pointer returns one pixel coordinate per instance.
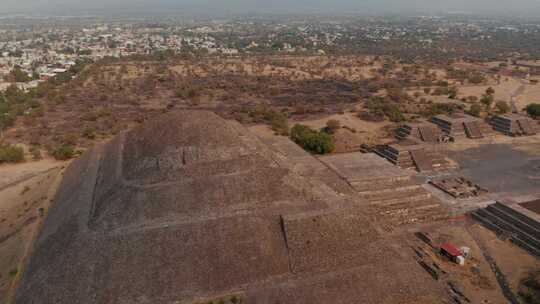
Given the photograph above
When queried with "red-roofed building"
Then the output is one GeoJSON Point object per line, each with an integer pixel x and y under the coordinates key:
{"type": "Point", "coordinates": [450, 251]}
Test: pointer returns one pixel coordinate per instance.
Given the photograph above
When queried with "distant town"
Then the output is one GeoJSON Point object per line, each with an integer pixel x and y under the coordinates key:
{"type": "Point", "coordinates": [34, 50]}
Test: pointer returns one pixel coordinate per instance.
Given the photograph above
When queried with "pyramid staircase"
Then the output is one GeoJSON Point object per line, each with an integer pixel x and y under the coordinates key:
{"type": "Point", "coordinates": [472, 129]}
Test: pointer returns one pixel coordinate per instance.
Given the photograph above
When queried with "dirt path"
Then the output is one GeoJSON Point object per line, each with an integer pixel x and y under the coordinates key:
{"type": "Point", "coordinates": [514, 95]}
{"type": "Point", "coordinates": [14, 173]}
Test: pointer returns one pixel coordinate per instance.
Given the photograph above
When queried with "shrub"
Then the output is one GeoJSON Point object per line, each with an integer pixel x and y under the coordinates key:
{"type": "Point", "coordinates": [312, 140]}
{"type": "Point", "coordinates": [502, 107]}
{"type": "Point", "coordinates": [391, 110]}
{"type": "Point", "coordinates": [332, 126]}
{"type": "Point", "coordinates": [11, 154]}
{"type": "Point", "coordinates": [393, 113]}
{"type": "Point", "coordinates": [487, 100]}
{"type": "Point", "coordinates": [475, 110]}
{"type": "Point", "coordinates": [452, 93]}
{"type": "Point", "coordinates": [89, 133]}
{"type": "Point", "coordinates": [278, 122]}
{"type": "Point", "coordinates": [440, 108]}
{"type": "Point", "coordinates": [36, 152]}
{"type": "Point", "coordinates": [476, 78]}
{"type": "Point", "coordinates": [13, 272]}
{"type": "Point", "coordinates": [533, 109]}
{"type": "Point", "coordinates": [63, 153]}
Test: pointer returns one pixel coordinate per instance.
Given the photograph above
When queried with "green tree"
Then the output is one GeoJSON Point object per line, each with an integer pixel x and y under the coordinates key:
{"type": "Point", "coordinates": [487, 100]}
{"type": "Point", "coordinates": [475, 110]}
{"type": "Point", "coordinates": [533, 109]}
{"type": "Point", "coordinates": [64, 152]}
{"type": "Point", "coordinates": [312, 140]}
{"type": "Point", "coordinates": [278, 122]}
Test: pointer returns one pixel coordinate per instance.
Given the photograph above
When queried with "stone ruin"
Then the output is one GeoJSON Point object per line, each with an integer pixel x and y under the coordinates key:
{"type": "Point", "coordinates": [426, 132]}
{"type": "Point", "coordinates": [514, 125]}
{"type": "Point", "coordinates": [393, 193]}
{"type": "Point", "coordinates": [459, 187]}
{"type": "Point", "coordinates": [409, 154]}
{"type": "Point", "coordinates": [459, 126]}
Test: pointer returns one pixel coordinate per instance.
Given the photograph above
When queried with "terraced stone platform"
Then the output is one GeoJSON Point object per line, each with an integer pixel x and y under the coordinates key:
{"type": "Point", "coordinates": [514, 125]}
{"type": "Point", "coordinates": [394, 195]}
{"type": "Point", "coordinates": [409, 154]}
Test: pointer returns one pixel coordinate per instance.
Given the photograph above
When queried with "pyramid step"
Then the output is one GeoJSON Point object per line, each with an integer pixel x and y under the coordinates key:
{"type": "Point", "coordinates": [386, 187]}
{"type": "Point", "coordinates": [400, 197]}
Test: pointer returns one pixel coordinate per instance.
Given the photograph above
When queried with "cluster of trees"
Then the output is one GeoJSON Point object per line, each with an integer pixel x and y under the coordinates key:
{"type": "Point", "coordinates": [278, 121]}
{"type": "Point", "coordinates": [382, 107]}
{"type": "Point", "coordinates": [15, 102]}
{"type": "Point", "coordinates": [488, 98]}
{"type": "Point", "coordinates": [451, 92]}
{"type": "Point", "coordinates": [441, 108]}
{"type": "Point", "coordinates": [487, 101]}
{"type": "Point", "coordinates": [318, 142]}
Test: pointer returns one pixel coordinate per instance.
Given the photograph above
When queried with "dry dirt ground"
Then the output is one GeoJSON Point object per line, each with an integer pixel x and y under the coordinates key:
{"type": "Point", "coordinates": [354, 131]}
{"type": "Point", "coordinates": [514, 262]}
{"type": "Point", "coordinates": [503, 91]}
{"type": "Point", "coordinates": [475, 277]}
{"type": "Point", "coordinates": [26, 191]}
{"type": "Point", "coordinates": [530, 95]}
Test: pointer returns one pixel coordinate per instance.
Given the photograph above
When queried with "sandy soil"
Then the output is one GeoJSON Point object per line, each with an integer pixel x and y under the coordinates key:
{"type": "Point", "coordinates": [12, 173]}
{"type": "Point", "coordinates": [25, 195]}
{"type": "Point", "coordinates": [480, 284]}
{"type": "Point", "coordinates": [503, 91]}
{"type": "Point", "coordinates": [530, 95]}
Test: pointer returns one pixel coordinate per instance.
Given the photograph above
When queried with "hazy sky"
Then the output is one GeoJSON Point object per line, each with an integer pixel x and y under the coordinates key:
{"type": "Point", "coordinates": [271, 6]}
